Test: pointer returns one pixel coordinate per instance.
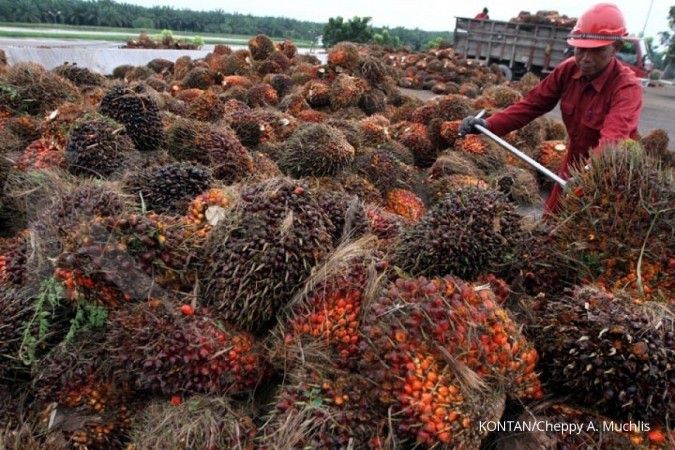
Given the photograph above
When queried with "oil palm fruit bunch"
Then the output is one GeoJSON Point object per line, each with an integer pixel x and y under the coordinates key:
{"type": "Point", "coordinates": [382, 169]}
{"type": "Point", "coordinates": [215, 147]}
{"type": "Point", "coordinates": [98, 146]}
{"type": "Point", "coordinates": [415, 137]}
{"type": "Point", "coordinates": [14, 259]}
{"type": "Point", "coordinates": [452, 163]}
{"type": "Point", "coordinates": [502, 96]}
{"type": "Point", "coordinates": [42, 154]}
{"type": "Point", "coordinates": [344, 57]}
{"type": "Point", "coordinates": [80, 76]}
{"type": "Point", "coordinates": [345, 212]}
{"type": "Point", "coordinates": [137, 112]}
{"type": "Point", "coordinates": [169, 187]}
{"type": "Point", "coordinates": [467, 233]}
{"type": "Point", "coordinates": [383, 224]}
{"type": "Point", "coordinates": [317, 93]}
{"type": "Point", "coordinates": [206, 107]}
{"type": "Point", "coordinates": [199, 77]}
{"type": "Point", "coordinates": [453, 107]}
{"type": "Point", "coordinates": [636, 252]}
{"type": "Point", "coordinates": [375, 130]}
{"type": "Point", "coordinates": [199, 421]}
{"type": "Point", "coordinates": [357, 185]}
{"type": "Point", "coordinates": [655, 144]}
{"type": "Point", "coordinates": [208, 208]}
{"type": "Point", "coordinates": [609, 352]}
{"type": "Point", "coordinates": [263, 250]}
{"type": "Point", "coordinates": [315, 149]}
{"type": "Point", "coordinates": [350, 129]}
{"type": "Point", "coordinates": [261, 47]}
{"type": "Point", "coordinates": [346, 91]}
{"type": "Point", "coordinates": [169, 349]}
{"type": "Point", "coordinates": [406, 204]}
{"type": "Point", "coordinates": [373, 101]}
{"type": "Point", "coordinates": [519, 185]}
{"type": "Point", "coordinates": [439, 188]}
{"type": "Point", "coordinates": [262, 94]}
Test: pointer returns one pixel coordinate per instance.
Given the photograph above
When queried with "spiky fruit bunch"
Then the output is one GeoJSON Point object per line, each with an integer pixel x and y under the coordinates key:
{"type": "Point", "coordinates": [98, 147]}
{"type": "Point", "coordinates": [206, 107]}
{"type": "Point", "coordinates": [471, 144]}
{"type": "Point", "coordinates": [317, 93]}
{"type": "Point", "coordinates": [346, 91]}
{"type": "Point", "coordinates": [262, 94]}
{"type": "Point", "coordinates": [449, 132]}
{"type": "Point", "coordinates": [261, 47]}
{"type": "Point", "coordinates": [29, 88]}
{"type": "Point", "coordinates": [375, 130]}
{"type": "Point", "coordinates": [207, 209]}
{"type": "Point", "coordinates": [322, 407]}
{"type": "Point", "coordinates": [439, 350]}
{"type": "Point", "coordinates": [13, 259]}
{"type": "Point", "coordinates": [635, 253]}
{"type": "Point", "coordinates": [169, 349]}
{"type": "Point", "coordinates": [382, 169]}
{"type": "Point", "coordinates": [237, 80]}
{"type": "Point", "coordinates": [344, 57]}
{"type": "Point", "coordinates": [406, 204]}
{"type": "Point", "coordinates": [551, 154]}
{"type": "Point", "coordinates": [169, 187]}
{"type": "Point", "coordinates": [196, 422]}
{"type": "Point", "coordinates": [344, 211]}
{"type": "Point", "coordinates": [293, 103]}
{"type": "Point", "coordinates": [264, 167]}
{"type": "Point", "coordinates": [112, 260]}
{"type": "Point", "coordinates": [312, 116]}
{"type": "Point", "coordinates": [279, 126]}
{"type": "Point", "coordinates": [446, 241]}
{"type": "Point", "coordinates": [199, 77]}
{"type": "Point", "coordinates": [424, 113]}
{"type": "Point", "coordinates": [554, 130]}
{"type": "Point", "coordinates": [502, 96]}
{"type": "Point", "coordinates": [453, 107]}
{"type": "Point", "coordinates": [350, 129]}
{"type": "Point", "coordinates": [261, 253]}
{"type": "Point", "coordinates": [215, 147]}
{"type": "Point", "coordinates": [655, 144]}
{"type": "Point", "coordinates": [609, 352]}
{"type": "Point", "coordinates": [399, 151]}
{"type": "Point", "coordinates": [42, 154]}
{"type": "Point", "coordinates": [373, 101]}
{"type": "Point", "coordinates": [519, 185]}
{"type": "Point", "coordinates": [138, 113]}
{"type": "Point", "coordinates": [288, 48]}
{"type": "Point", "coordinates": [238, 63]}
{"type": "Point", "coordinates": [281, 83]}
{"type": "Point", "coordinates": [188, 95]}
{"type": "Point", "coordinates": [383, 224]}
{"type": "Point", "coordinates": [452, 163]}
{"type": "Point", "coordinates": [80, 76]}
{"type": "Point", "coordinates": [315, 149]}
{"type": "Point", "coordinates": [356, 185]}
{"type": "Point", "coordinates": [415, 137]}
{"type": "Point", "coordinates": [439, 188]}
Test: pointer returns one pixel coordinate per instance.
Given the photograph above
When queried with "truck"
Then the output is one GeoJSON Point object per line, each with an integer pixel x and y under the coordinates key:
{"type": "Point", "coordinates": [531, 47]}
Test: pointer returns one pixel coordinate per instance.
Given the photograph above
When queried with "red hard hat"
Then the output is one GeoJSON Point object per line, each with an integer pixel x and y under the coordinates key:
{"type": "Point", "coordinates": [601, 25]}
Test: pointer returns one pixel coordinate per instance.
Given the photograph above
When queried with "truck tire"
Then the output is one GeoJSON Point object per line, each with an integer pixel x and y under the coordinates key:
{"type": "Point", "coordinates": [508, 75]}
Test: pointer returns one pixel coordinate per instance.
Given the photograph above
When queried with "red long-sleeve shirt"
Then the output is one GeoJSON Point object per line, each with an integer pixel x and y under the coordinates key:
{"type": "Point", "coordinates": [603, 110]}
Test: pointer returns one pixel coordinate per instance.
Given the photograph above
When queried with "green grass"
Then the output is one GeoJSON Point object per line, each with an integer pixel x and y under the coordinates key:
{"type": "Point", "coordinates": [51, 31]}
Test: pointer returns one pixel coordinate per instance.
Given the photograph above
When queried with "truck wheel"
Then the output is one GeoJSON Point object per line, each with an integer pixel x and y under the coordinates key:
{"type": "Point", "coordinates": [506, 72]}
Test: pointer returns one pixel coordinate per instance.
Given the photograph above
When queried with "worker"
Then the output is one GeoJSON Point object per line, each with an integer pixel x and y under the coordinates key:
{"type": "Point", "coordinates": [482, 15]}
{"type": "Point", "coordinates": [600, 98]}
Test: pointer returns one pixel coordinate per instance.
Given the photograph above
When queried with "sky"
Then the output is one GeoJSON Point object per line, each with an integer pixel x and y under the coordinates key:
{"type": "Point", "coordinates": [431, 15]}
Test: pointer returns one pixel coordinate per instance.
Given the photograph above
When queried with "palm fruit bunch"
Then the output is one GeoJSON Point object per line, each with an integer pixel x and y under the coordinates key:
{"type": "Point", "coordinates": [216, 147]}
{"type": "Point", "coordinates": [17, 132]}
{"type": "Point", "coordinates": [437, 189]}
{"type": "Point", "coordinates": [608, 352]}
{"type": "Point", "coordinates": [169, 187]}
{"type": "Point", "coordinates": [75, 384]}
{"type": "Point", "coordinates": [354, 184]}
{"type": "Point", "coordinates": [346, 91]}
{"type": "Point", "coordinates": [519, 185]}
{"type": "Point", "coordinates": [398, 151]}
{"type": "Point", "coordinates": [261, 47]}
{"type": "Point", "coordinates": [264, 167]}
{"type": "Point", "coordinates": [317, 93]}
{"type": "Point", "coordinates": [113, 260]}
{"type": "Point", "coordinates": [350, 129]}
{"type": "Point", "coordinates": [471, 143]}
{"type": "Point", "coordinates": [80, 76]}
{"type": "Point", "coordinates": [375, 130]}
{"type": "Point", "coordinates": [486, 155]}
{"type": "Point", "coordinates": [414, 137]}
{"type": "Point", "coordinates": [329, 308]}
{"type": "Point", "coordinates": [598, 431]}
{"type": "Point", "coordinates": [199, 421]}
{"type": "Point", "coordinates": [554, 130]}
{"type": "Point", "coordinates": [281, 83]}
{"type": "Point", "coordinates": [383, 224]}
{"type": "Point", "coordinates": [208, 208]}
{"type": "Point", "coordinates": [98, 146]}
{"type": "Point", "coordinates": [312, 116]}
{"type": "Point", "coordinates": [406, 204]}
{"type": "Point", "coordinates": [344, 57]}
{"type": "Point", "coordinates": [164, 348]}
{"type": "Point", "coordinates": [262, 94]}
{"type": "Point", "coordinates": [344, 211]}
{"type": "Point", "coordinates": [655, 144]}
{"type": "Point", "coordinates": [382, 169]}
{"type": "Point", "coordinates": [29, 88]}
{"type": "Point", "coordinates": [162, 66]}
{"type": "Point", "coordinates": [187, 95]}
{"type": "Point", "coordinates": [137, 112]}
{"type": "Point", "coordinates": [373, 101]}
{"type": "Point", "coordinates": [42, 154]}
{"type": "Point", "coordinates": [449, 132]}
{"type": "Point", "coordinates": [440, 351]}
{"type": "Point", "coordinates": [280, 126]}
{"type": "Point", "coordinates": [199, 77]}
{"type": "Point", "coordinates": [527, 138]}
{"type": "Point", "coordinates": [453, 107]}
{"type": "Point", "coordinates": [238, 63]}
{"type": "Point", "coordinates": [14, 259]}
{"type": "Point", "coordinates": [288, 48]}
{"type": "Point", "coordinates": [262, 252]}
{"type": "Point", "coordinates": [502, 96]}
{"type": "Point", "coordinates": [352, 113]}
{"type": "Point", "coordinates": [236, 80]}
{"type": "Point", "coordinates": [206, 107]}
{"type": "Point", "coordinates": [635, 253]}
{"type": "Point", "coordinates": [424, 113]}
{"type": "Point", "coordinates": [467, 233]}
{"type": "Point", "coordinates": [251, 129]}
{"type": "Point", "coordinates": [452, 163]}
{"type": "Point", "coordinates": [315, 149]}
{"type": "Point", "coordinates": [551, 154]}
{"type": "Point", "coordinates": [469, 89]}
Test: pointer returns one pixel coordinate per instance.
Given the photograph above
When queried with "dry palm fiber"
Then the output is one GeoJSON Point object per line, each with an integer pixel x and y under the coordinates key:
{"type": "Point", "coordinates": [164, 347]}
{"type": "Point", "coordinates": [519, 185]}
{"type": "Point", "coordinates": [467, 233]}
{"type": "Point", "coordinates": [315, 149]}
{"type": "Point", "coordinates": [215, 147]}
{"type": "Point", "coordinates": [262, 252]}
{"type": "Point", "coordinates": [199, 421]}
{"type": "Point", "coordinates": [609, 352]}
{"type": "Point", "coordinates": [615, 224]}
{"type": "Point", "coordinates": [435, 351]}
{"type": "Point", "coordinates": [28, 87]}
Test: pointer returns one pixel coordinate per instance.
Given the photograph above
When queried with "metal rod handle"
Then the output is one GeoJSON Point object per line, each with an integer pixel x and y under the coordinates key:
{"type": "Point", "coordinates": [519, 154]}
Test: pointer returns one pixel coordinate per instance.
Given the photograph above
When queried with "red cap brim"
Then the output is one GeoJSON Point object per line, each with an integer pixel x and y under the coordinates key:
{"type": "Point", "coordinates": [588, 43]}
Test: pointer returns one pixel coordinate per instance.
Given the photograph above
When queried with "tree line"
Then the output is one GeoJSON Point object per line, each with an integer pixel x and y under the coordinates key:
{"type": "Point", "coordinates": [107, 13]}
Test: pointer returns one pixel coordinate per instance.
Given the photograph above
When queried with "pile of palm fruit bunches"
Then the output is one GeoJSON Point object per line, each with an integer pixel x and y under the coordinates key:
{"type": "Point", "coordinates": [255, 250]}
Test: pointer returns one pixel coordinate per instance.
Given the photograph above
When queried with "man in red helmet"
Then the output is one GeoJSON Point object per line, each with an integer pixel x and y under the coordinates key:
{"type": "Point", "coordinates": [600, 98]}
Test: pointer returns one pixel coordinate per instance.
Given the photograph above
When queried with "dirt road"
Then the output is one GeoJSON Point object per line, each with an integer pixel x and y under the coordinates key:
{"type": "Point", "coordinates": [657, 112]}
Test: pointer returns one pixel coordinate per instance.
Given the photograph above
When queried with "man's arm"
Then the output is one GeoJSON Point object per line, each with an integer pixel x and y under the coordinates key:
{"type": "Point", "coordinates": [538, 101]}
{"type": "Point", "coordinates": [622, 118]}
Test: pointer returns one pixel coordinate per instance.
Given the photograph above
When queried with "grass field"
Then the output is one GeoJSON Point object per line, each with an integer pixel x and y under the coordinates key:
{"type": "Point", "coordinates": [49, 31]}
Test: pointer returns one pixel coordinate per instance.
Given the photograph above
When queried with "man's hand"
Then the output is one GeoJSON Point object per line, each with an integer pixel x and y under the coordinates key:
{"type": "Point", "coordinates": [468, 125]}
